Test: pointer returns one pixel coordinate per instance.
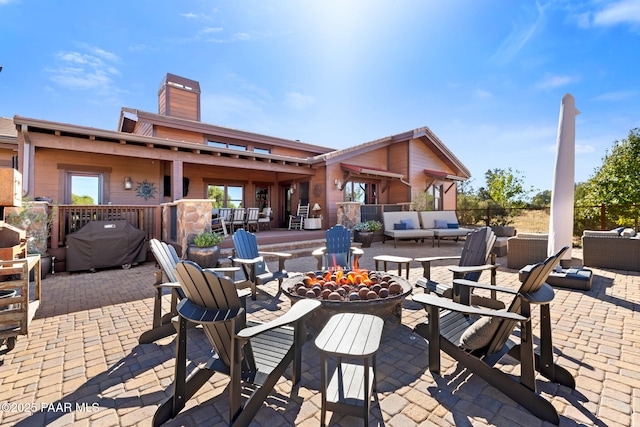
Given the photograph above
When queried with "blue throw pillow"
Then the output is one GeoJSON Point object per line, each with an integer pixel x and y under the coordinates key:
{"type": "Point", "coordinates": [441, 223]}
{"type": "Point", "coordinates": [452, 225]}
{"type": "Point", "coordinates": [400, 226]}
{"type": "Point", "coordinates": [409, 223]}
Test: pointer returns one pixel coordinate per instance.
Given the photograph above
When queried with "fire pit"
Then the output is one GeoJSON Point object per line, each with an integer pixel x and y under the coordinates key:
{"type": "Point", "coordinates": [357, 291]}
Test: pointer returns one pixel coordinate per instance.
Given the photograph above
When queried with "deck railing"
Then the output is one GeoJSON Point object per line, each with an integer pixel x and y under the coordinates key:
{"type": "Point", "coordinates": [71, 218]}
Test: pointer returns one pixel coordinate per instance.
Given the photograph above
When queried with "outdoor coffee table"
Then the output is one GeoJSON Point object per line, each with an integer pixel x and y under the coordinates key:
{"type": "Point", "coordinates": [400, 260]}
{"type": "Point", "coordinates": [352, 336]}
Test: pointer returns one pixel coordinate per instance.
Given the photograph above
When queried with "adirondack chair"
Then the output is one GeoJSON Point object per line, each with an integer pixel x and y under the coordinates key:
{"type": "Point", "coordinates": [479, 344]}
{"type": "Point", "coordinates": [338, 252]}
{"type": "Point", "coordinates": [256, 354]}
{"type": "Point", "coordinates": [255, 268]}
{"type": "Point", "coordinates": [167, 259]}
{"type": "Point", "coordinates": [251, 221]}
{"type": "Point", "coordinates": [476, 253]}
{"type": "Point", "coordinates": [297, 221]}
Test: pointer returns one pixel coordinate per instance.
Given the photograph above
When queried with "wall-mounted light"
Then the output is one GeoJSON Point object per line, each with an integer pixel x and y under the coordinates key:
{"type": "Point", "coordinates": [128, 185]}
{"type": "Point", "coordinates": [293, 187]}
{"type": "Point", "coordinates": [338, 184]}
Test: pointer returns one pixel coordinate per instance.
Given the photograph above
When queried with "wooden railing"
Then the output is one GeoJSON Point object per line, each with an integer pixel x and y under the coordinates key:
{"type": "Point", "coordinates": [71, 218]}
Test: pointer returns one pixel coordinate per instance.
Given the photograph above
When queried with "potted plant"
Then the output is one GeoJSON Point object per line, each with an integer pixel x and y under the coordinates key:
{"type": "Point", "coordinates": [204, 250]}
{"type": "Point", "coordinates": [36, 218]}
{"type": "Point", "coordinates": [364, 232]}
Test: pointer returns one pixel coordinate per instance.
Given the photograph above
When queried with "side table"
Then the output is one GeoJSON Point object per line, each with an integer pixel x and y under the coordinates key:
{"type": "Point", "coordinates": [400, 260]}
{"type": "Point", "coordinates": [312, 223]}
{"type": "Point", "coordinates": [353, 336]}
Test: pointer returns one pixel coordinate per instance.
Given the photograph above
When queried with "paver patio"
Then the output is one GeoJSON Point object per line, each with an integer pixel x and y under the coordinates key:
{"type": "Point", "coordinates": [82, 364]}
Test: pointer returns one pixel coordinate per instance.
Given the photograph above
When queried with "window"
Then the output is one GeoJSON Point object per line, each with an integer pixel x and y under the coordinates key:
{"type": "Point", "coordinates": [364, 192]}
{"type": "Point", "coordinates": [218, 144]}
{"type": "Point", "coordinates": [434, 198]}
{"type": "Point", "coordinates": [225, 196]}
{"type": "Point", "coordinates": [262, 150]}
{"type": "Point", "coordinates": [85, 188]}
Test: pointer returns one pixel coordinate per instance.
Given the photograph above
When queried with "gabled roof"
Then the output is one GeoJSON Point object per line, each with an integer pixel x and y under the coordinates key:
{"type": "Point", "coordinates": [7, 128]}
{"type": "Point", "coordinates": [423, 134]}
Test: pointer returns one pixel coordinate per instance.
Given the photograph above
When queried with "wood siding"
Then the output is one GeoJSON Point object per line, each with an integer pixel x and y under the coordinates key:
{"type": "Point", "coordinates": [178, 135]}
{"type": "Point", "coordinates": [179, 103]}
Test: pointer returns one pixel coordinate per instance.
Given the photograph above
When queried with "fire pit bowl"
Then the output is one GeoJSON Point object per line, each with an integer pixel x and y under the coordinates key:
{"type": "Point", "coordinates": [386, 307]}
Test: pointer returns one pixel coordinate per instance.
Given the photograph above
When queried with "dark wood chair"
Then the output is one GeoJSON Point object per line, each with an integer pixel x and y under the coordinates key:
{"type": "Point", "coordinates": [255, 268]}
{"type": "Point", "coordinates": [167, 259]}
{"type": "Point", "coordinates": [338, 253]}
{"type": "Point", "coordinates": [255, 355]}
{"type": "Point", "coordinates": [476, 257]}
{"type": "Point", "coordinates": [479, 344]}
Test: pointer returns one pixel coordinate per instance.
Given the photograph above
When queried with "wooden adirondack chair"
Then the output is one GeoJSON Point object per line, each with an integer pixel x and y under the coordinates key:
{"type": "Point", "coordinates": [480, 344]}
{"type": "Point", "coordinates": [255, 268]}
{"type": "Point", "coordinates": [474, 259]}
{"type": "Point", "coordinates": [256, 355]}
{"type": "Point", "coordinates": [167, 259]}
{"type": "Point", "coordinates": [338, 252]}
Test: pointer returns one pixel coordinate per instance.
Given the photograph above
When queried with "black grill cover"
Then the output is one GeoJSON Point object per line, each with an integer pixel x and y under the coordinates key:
{"type": "Point", "coordinates": [101, 244]}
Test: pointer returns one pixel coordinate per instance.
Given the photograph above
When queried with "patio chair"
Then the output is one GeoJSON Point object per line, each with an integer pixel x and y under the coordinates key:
{"type": "Point", "coordinates": [237, 218]}
{"type": "Point", "coordinates": [479, 344]}
{"type": "Point", "coordinates": [255, 268]}
{"type": "Point", "coordinates": [338, 252]}
{"type": "Point", "coordinates": [225, 214]}
{"type": "Point", "coordinates": [251, 221]}
{"type": "Point", "coordinates": [265, 218]}
{"type": "Point", "coordinates": [167, 259]}
{"type": "Point", "coordinates": [472, 262]}
{"type": "Point", "coordinates": [250, 354]}
{"type": "Point", "coordinates": [297, 221]}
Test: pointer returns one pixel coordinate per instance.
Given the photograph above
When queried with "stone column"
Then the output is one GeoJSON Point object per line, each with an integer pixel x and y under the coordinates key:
{"type": "Point", "coordinates": [193, 216]}
{"type": "Point", "coordinates": [348, 214]}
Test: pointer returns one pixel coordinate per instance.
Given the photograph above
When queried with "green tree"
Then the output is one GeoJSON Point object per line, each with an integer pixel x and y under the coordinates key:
{"type": "Point", "coordinates": [541, 199]}
{"type": "Point", "coordinates": [217, 195]}
{"type": "Point", "coordinates": [615, 183]}
{"type": "Point", "coordinates": [81, 200]}
{"type": "Point", "coordinates": [505, 188]}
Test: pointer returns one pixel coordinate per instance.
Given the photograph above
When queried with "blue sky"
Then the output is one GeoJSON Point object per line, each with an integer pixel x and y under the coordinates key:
{"type": "Point", "coordinates": [486, 76]}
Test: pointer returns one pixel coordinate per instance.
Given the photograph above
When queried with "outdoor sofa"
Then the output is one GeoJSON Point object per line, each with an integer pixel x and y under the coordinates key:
{"type": "Point", "coordinates": [617, 249]}
{"type": "Point", "coordinates": [526, 248]}
{"type": "Point", "coordinates": [413, 225]}
{"type": "Point", "coordinates": [443, 224]}
{"type": "Point", "coordinates": [404, 225]}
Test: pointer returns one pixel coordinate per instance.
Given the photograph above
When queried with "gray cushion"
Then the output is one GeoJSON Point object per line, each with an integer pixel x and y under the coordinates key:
{"type": "Point", "coordinates": [479, 334]}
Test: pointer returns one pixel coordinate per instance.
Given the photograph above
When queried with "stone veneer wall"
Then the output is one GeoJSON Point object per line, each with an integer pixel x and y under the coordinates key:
{"type": "Point", "coordinates": [348, 214]}
{"type": "Point", "coordinates": [193, 217]}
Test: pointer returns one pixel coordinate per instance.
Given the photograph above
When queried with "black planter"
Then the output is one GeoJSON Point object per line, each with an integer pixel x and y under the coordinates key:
{"type": "Point", "coordinates": [204, 257]}
{"type": "Point", "coordinates": [364, 237]}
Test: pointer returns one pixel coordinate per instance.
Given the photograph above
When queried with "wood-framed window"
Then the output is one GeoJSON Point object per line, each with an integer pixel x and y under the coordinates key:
{"type": "Point", "coordinates": [365, 192]}
{"type": "Point", "coordinates": [84, 185]}
{"type": "Point", "coordinates": [226, 195]}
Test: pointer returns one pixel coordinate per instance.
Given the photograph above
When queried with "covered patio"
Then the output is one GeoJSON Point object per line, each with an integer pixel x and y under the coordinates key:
{"type": "Point", "coordinates": [82, 365]}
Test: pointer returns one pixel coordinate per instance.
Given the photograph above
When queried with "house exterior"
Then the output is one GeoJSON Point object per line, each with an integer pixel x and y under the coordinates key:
{"type": "Point", "coordinates": [156, 158]}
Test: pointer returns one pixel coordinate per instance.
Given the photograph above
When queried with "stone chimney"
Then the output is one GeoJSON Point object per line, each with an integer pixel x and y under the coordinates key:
{"type": "Point", "coordinates": [179, 97]}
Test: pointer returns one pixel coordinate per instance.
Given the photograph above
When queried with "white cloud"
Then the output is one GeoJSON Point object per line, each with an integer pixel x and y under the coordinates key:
{"type": "Point", "coordinates": [298, 101]}
{"type": "Point", "coordinates": [88, 68]}
{"type": "Point", "coordinates": [554, 81]}
{"type": "Point", "coordinates": [520, 35]}
{"type": "Point", "coordinates": [581, 149]}
{"type": "Point", "coordinates": [624, 11]}
{"type": "Point", "coordinates": [209, 30]}
{"type": "Point", "coordinates": [616, 96]}
{"type": "Point", "coordinates": [482, 94]}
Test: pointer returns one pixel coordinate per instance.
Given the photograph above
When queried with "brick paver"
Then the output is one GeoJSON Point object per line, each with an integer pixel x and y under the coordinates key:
{"type": "Point", "coordinates": [82, 364]}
